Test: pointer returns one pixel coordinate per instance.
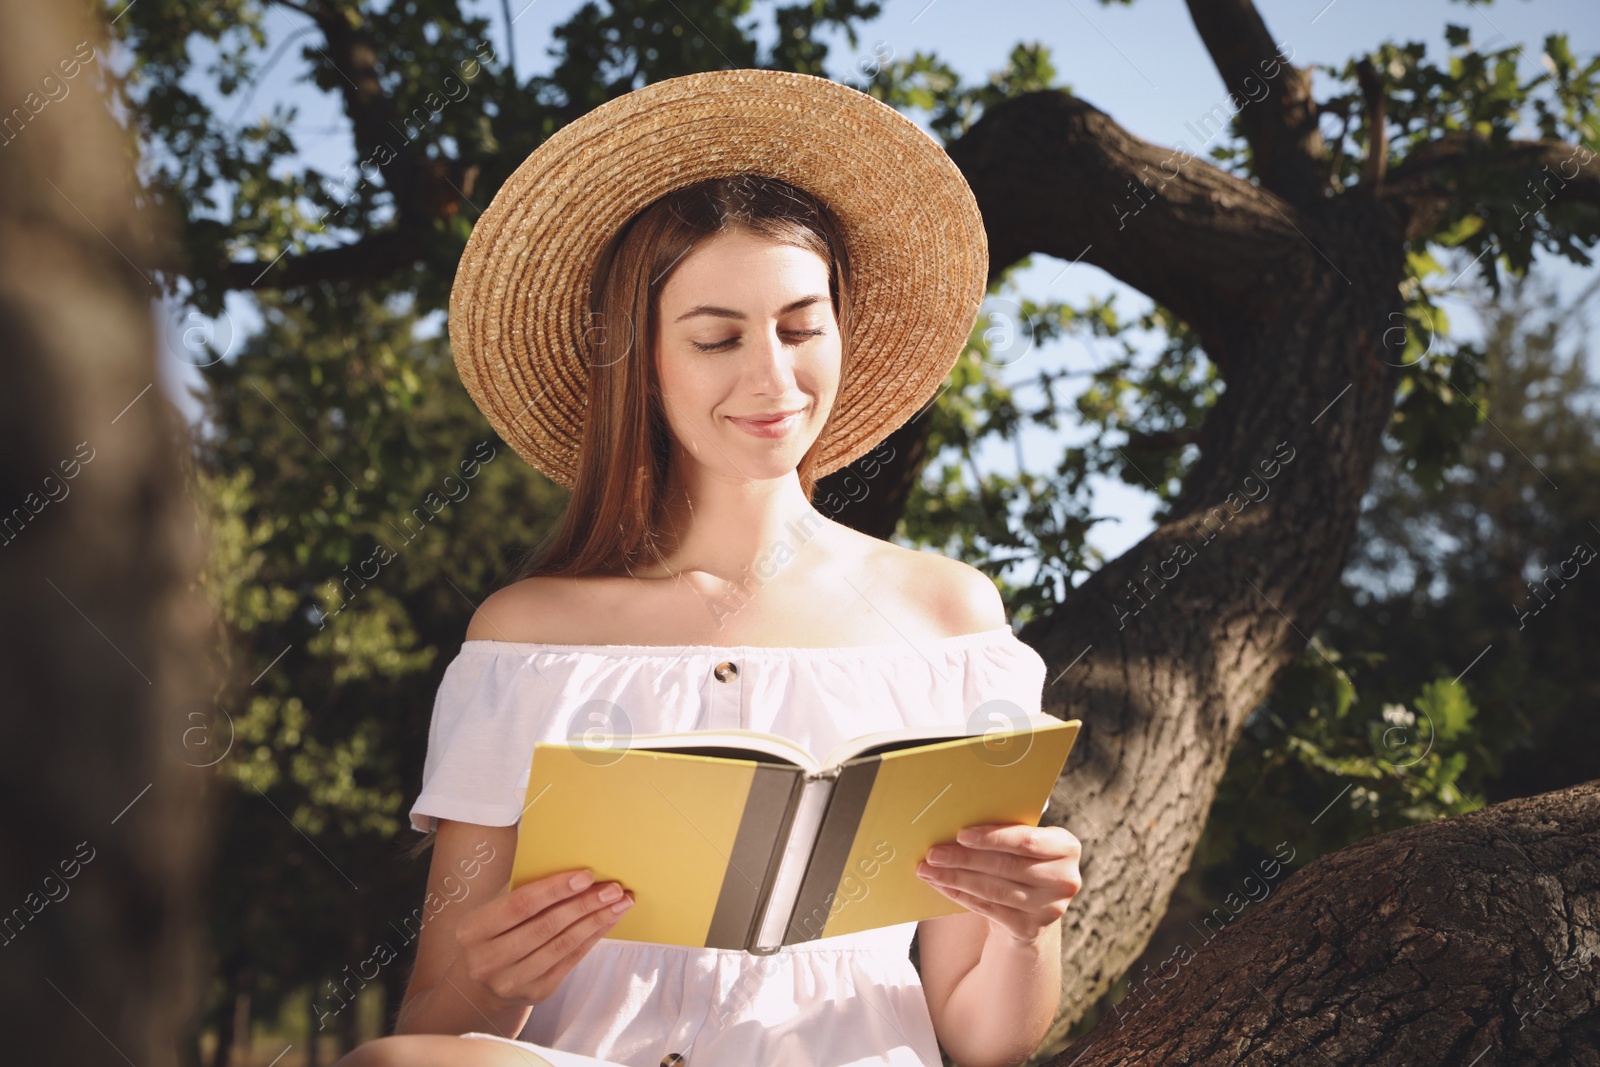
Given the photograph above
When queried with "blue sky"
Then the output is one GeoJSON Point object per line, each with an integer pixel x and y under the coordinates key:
{"type": "Point", "coordinates": [1143, 64]}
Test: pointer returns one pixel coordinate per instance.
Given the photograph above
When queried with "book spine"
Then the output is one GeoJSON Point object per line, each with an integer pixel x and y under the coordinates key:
{"type": "Point", "coordinates": [814, 902]}
{"type": "Point", "coordinates": [768, 806]}
{"type": "Point", "coordinates": [800, 835]}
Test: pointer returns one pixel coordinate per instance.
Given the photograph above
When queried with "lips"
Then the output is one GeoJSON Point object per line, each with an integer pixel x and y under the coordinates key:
{"type": "Point", "coordinates": [773, 425]}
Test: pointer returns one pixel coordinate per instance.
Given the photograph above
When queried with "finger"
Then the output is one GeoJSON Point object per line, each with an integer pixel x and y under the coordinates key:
{"type": "Point", "coordinates": [989, 887]}
{"type": "Point", "coordinates": [545, 984]}
{"type": "Point", "coordinates": [518, 905]}
{"type": "Point", "coordinates": [1003, 864]}
{"type": "Point", "coordinates": [572, 940]}
{"type": "Point", "coordinates": [1010, 918]}
{"type": "Point", "coordinates": [1022, 839]}
{"type": "Point", "coordinates": [946, 856]}
{"type": "Point", "coordinates": [520, 941]}
{"type": "Point", "coordinates": [514, 943]}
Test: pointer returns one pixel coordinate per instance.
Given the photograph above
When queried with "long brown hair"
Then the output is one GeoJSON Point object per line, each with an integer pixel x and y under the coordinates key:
{"type": "Point", "coordinates": [613, 518]}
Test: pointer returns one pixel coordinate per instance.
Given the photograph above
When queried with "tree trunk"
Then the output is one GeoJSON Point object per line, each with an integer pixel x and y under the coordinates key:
{"type": "Point", "coordinates": [1164, 651]}
{"type": "Point", "coordinates": [870, 494]}
{"type": "Point", "coordinates": [1292, 287]}
{"type": "Point", "coordinates": [227, 1014]}
{"type": "Point", "coordinates": [222, 1051]}
{"type": "Point", "coordinates": [103, 842]}
{"type": "Point", "coordinates": [1471, 940]}
{"type": "Point", "coordinates": [243, 1034]}
{"type": "Point", "coordinates": [350, 1023]}
{"type": "Point", "coordinates": [313, 1057]}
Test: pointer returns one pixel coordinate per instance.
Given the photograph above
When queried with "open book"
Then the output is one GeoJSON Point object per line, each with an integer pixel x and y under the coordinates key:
{"type": "Point", "coordinates": [743, 840]}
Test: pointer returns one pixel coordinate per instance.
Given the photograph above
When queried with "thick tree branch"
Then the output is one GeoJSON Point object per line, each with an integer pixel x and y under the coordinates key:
{"type": "Point", "coordinates": [1164, 651]}
{"type": "Point", "coordinates": [1373, 167]}
{"type": "Point", "coordinates": [1277, 112]}
{"type": "Point", "coordinates": [376, 256]}
{"type": "Point", "coordinates": [354, 56]}
{"type": "Point", "coordinates": [1164, 441]}
{"type": "Point", "coordinates": [1054, 174]}
{"type": "Point", "coordinates": [1445, 179]}
{"type": "Point", "coordinates": [870, 494]}
{"type": "Point", "coordinates": [1474, 939]}
{"type": "Point", "coordinates": [424, 189]}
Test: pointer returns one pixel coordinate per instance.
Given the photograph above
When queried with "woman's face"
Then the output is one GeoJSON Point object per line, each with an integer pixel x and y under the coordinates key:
{"type": "Point", "coordinates": [747, 331]}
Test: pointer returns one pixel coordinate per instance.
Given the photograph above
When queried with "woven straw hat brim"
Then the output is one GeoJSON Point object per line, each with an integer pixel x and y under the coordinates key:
{"type": "Point", "coordinates": [919, 255]}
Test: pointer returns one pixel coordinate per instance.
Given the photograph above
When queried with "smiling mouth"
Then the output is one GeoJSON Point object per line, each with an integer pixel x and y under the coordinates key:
{"type": "Point", "coordinates": [770, 426]}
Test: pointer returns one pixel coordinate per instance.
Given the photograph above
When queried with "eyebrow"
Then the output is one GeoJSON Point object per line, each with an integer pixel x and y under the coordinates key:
{"type": "Point", "coordinates": [730, 313]}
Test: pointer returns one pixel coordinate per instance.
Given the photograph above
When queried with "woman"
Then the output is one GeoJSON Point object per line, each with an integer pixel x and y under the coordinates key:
{"type": "Point", "coordinates": [789, 326]}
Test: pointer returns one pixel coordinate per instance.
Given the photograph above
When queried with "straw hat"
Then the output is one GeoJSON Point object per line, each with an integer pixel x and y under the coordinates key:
{"type": "Point", "coordinates": [919, 257]}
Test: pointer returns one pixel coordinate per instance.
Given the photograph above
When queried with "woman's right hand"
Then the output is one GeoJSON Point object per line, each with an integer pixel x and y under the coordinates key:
{"type": "Point", "coordinates": [519, 946]}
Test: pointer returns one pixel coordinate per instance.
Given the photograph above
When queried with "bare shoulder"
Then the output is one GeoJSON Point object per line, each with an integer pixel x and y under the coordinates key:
{"type": "Point", "coordinates": [969, 598]}
{"type": "Point", "coordinates": [528, 610]}
{"type": "Point", "coordinates": [960, 597]}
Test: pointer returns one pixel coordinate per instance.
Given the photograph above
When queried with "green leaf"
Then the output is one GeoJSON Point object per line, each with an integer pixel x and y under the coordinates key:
{"type": "Point", "coordinates": [1447, 706]}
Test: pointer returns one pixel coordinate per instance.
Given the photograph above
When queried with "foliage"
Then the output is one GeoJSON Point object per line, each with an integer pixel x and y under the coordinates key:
{"type": "Point", "coordinates": [1417, 728]}
{"type": "Point", "coordinates": [925, 83]}
{"type": "Point", "coordinates": [1410, 727]}
{"type": "Point", "coordinates": [1141, 408]}
{"type": "Point", "coordinates": [246, 191]}
{"type": "Point", "coordinates": [1490, 555]}
{"type": "Point", "coordinates": [335, 429]}
{"type": "Point", "coordinates": [1321, 765]}
{"type": "Point", "coordinates": [354, 495]}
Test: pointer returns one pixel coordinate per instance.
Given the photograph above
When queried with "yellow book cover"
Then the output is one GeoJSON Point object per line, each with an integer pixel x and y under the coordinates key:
{"type": "Point", "coordinates": [742, 839]}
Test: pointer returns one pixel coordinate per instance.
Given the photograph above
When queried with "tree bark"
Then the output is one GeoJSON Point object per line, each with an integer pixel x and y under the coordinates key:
{"type": "Point", "coordinates": [1293, 289]}
{"type": "Point", "coordinates": [103, 842]}
{"type": "Point", "coordinates": [870, 494]}
{"type": "Point", "coordinates": [1471, 940]}
{"type": "Point", "coordinates": [1164, 651]}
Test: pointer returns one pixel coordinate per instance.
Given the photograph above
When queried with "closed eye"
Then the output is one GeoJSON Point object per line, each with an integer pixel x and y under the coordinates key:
{"type": "Point", "coordinates": [722, 345]}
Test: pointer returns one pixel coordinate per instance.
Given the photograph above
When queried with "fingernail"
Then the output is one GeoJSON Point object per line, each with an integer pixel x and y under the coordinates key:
{"type": "Point", "coordinates": [938, 855]}
{"type": "Point", "coordinates": [610, 893]}
{"type": "Point", "coordinates": [622, 905]}
{"type": "Point", "coordinates": [582, 880]}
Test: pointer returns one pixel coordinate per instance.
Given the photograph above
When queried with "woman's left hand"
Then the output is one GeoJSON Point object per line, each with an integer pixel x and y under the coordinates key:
{"type": "Point", "coordinates": [1020, 877]}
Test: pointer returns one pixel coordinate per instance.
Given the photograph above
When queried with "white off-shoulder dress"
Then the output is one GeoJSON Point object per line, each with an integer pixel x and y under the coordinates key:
{"type": "Point", "coordinates": [847, 1000]}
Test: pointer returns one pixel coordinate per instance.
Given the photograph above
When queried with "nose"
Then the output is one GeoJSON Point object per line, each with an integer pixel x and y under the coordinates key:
{"type": "Point", "coordinates": [769, 365]}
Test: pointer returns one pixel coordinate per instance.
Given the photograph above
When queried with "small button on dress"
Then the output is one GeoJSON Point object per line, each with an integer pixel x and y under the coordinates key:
{"type": "Point", "coordinates": [852, 1000]}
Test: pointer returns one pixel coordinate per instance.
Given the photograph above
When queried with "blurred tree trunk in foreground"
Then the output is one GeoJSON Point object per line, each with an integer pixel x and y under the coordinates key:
{"type": "Point", "coordinates": [102, 662]}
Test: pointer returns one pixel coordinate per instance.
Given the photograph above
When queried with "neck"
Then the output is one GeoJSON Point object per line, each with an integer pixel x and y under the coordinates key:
{"type": "Point", "coordinates": [729, 528]}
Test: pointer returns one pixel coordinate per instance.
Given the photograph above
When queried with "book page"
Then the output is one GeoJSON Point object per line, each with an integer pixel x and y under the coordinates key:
{"type": "Point", "coordinates": [729, 744]}
{"type": "Point", "coordinates": [802, 835]}
{"type": "Point", "coordinates": [883, 741]}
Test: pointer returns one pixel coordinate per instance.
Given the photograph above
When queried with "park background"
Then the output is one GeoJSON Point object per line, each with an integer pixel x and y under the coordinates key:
{"type": "Point", "coordinates": [324, 420]}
